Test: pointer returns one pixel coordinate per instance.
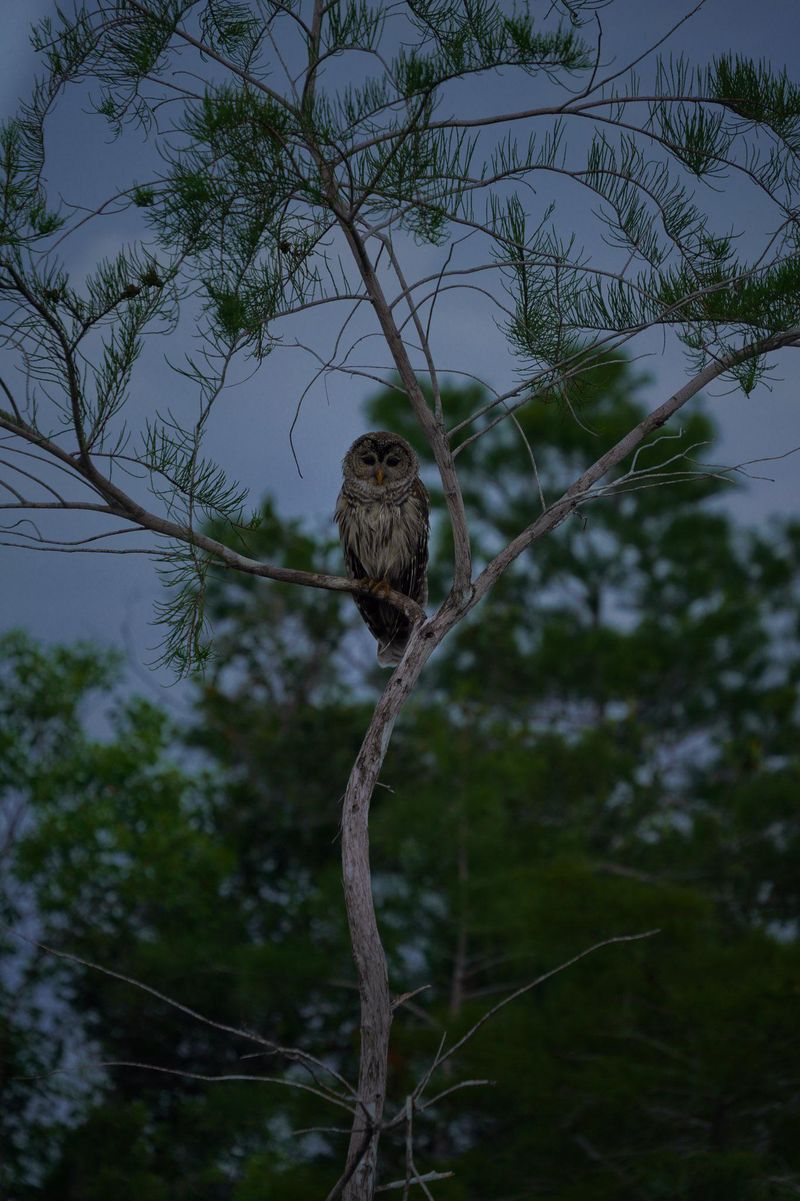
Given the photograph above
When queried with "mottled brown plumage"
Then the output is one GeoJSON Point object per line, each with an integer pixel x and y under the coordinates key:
{"type": "Point", "coordinates": [382, 513]}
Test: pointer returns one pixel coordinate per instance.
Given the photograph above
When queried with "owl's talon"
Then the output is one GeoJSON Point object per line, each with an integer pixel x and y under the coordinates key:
{"type": "Point", "coordinates": [381, 588]}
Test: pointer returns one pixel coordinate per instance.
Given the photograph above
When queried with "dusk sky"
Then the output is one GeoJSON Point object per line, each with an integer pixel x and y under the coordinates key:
{"type": "Point", "coordinates": [111, 598]}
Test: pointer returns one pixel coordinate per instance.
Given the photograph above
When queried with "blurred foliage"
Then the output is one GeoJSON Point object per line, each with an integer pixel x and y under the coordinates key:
{"type": "Point", "coordinates": [609, 746]}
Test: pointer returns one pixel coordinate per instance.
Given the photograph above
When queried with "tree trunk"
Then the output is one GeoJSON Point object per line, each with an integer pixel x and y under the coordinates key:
{"type": "Point", "coordinates": [368, 953]}
{"type": "Point", "coordinates": [373, 981]}
{"type": "Point", "coordinates": [376, 1009]}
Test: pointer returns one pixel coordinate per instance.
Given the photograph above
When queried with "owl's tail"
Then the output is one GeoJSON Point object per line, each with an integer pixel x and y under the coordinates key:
{"type": "Point", "coordinates": [390, 653]}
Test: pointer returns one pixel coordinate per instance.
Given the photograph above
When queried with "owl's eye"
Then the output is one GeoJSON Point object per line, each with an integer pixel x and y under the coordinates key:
{"type": "Point", "coordinates": [369, 460]}
{"type": "Point", "coordinates": [392, 461]}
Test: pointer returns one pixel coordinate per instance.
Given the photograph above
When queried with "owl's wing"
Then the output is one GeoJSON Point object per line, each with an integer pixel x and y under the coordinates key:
{"type": "Point", "coordinates": [379, 618]}
{"type": "Point", "coordinates": [412, 578]}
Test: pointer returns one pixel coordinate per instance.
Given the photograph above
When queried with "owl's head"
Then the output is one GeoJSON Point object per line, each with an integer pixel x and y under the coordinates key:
{"type": "Point", "coordinates": [380, 460]}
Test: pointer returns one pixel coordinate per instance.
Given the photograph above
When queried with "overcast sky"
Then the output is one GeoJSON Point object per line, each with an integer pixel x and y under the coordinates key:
{"type": "Point", "coordinates": [111, 599]}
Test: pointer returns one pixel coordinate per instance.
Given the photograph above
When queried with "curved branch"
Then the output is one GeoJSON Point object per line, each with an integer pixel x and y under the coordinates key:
{"type": "Point", "coordinates": [578, 491]}
{"type": "Point", "coordinates": [121, 505]}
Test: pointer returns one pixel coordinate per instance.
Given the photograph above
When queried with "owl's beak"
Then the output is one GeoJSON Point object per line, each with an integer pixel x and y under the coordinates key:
{"type": "Point", "coordinates": [379, 474]}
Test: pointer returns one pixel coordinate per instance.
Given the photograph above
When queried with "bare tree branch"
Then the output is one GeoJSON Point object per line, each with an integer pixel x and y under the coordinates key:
{"type": "Point", "coordinates": [428, 1178]}
{"type": "Point", "coordinates": [292, 1053]}
{"type": "Point", "coordinates": [570, 499]}
{"type": "Point", "coordinates": [490, 1013]}
{"type": "Point", "coordinates": [124, 506]}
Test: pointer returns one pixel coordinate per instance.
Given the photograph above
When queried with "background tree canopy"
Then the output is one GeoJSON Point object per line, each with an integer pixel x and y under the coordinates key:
{"type": "Point", "coordinates": [610, 744]}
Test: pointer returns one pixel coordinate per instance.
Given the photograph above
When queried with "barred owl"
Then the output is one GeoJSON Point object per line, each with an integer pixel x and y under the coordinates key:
{"type": "Point", "coordinates": [382, 513]}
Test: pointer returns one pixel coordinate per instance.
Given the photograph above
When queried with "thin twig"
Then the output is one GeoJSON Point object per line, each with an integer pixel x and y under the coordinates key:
{"type": "Point", "coordinates": [526, 988]}
{"type": "Point", "coordinates": [428, 1178]}
{"type": "Point", "coordinates": [292, 1053]}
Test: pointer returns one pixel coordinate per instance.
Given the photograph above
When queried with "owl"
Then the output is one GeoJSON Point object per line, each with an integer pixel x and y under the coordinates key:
{"type": "Point", "coordinates": [382, 514]}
